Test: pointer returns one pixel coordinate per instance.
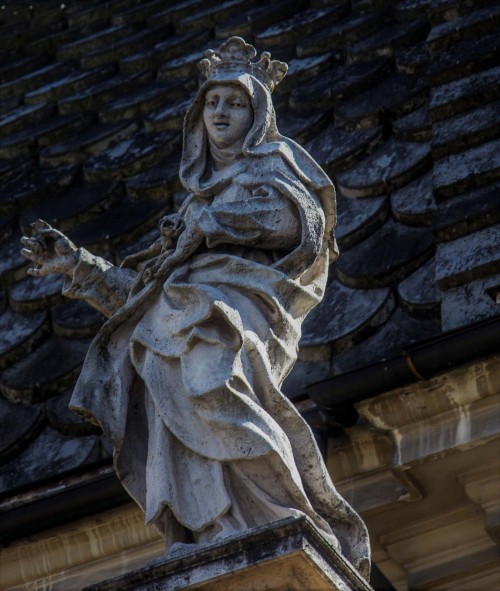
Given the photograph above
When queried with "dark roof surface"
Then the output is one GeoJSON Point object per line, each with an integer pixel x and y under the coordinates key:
{"type": "Point", "coordinates": [398, 101]}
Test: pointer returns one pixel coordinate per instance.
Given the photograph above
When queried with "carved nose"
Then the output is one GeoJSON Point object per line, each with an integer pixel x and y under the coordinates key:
{"type": "Point", "coordinates": [220, 110]}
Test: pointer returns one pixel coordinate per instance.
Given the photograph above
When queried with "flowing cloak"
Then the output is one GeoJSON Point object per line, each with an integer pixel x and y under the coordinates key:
{"type": "Point", "coordinates": [185, 376]}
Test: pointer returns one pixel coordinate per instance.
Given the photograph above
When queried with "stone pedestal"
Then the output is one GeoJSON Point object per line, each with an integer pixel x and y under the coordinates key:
{"type": "Point", "coordinates": [288, 555]}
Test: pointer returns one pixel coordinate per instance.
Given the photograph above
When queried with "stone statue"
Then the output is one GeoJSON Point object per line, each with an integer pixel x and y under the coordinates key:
{"type": "Point", "coordinates": [203, 326]}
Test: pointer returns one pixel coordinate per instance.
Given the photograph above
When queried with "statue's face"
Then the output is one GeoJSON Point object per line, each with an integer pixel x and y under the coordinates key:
{"type": "Point", "coordinates": [228, 115]}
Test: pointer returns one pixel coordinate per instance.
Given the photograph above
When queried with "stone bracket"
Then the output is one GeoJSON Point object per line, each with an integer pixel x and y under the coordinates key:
{"type": "Point", "coordinates": [287, 555]}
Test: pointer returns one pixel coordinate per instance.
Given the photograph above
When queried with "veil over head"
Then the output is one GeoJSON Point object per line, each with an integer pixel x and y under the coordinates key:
{"type": "Point", "coordinates": [262, 140]}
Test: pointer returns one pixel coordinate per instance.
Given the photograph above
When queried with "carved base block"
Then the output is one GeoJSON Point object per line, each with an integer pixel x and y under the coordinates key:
{"type": "Point", "coordinates": [288, 555]}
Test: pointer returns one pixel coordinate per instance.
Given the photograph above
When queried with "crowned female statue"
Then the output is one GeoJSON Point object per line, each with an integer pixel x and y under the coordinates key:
{"type": "Point", "coordinates": [203, 327]}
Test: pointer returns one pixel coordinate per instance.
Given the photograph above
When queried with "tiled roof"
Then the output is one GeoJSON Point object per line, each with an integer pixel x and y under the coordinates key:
{"type": "Point", "coordinates": [398, 101]}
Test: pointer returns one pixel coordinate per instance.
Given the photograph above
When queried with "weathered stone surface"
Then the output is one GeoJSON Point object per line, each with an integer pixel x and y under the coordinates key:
{"type": "Point", "coordinates": [94, 97]}
{"type": "Point", "coordinates": [336, 149]}
{"type": "Point", "coordinates": [469, 257]}
{"type": "Point", "coordinates": [393, 97]}
{"type": "Point", "coordinates": [69, 84]}
{"type": "Point", "coordinates": [299, 127]}
{"type": "Point", "coordinates": [167, 118]}
{"type": "Point", "coordinates": [414, 203]}
{"type": "Point", "coordinates": [399, 332]}
{"type": "Point", "coordinates": [412, 412]}
{"type": "Point", "coordinates": [414, 127]}
{"type": "Point", "coordinates": [49, 455]}
{"type": "Point", "coordinates": [20, 117]}
{"type": "Point", "coordinates": [346, 316]}
{"type": "Point", "coordinates": [19, 425]}
{"type": "Point", "coordinates": [76, 319]}
{"type": "Point", "coordinates": [352, 79]}
{"type": "Point", "coordinates": [457, 173]}
{"type": "Point", "coordinates": [386, 257]}
{"type": "Point", "coordinates": [467, 304]}
{"type": "Point", "coordinates": [183, 66]}
{"type": "Point", "coordinates": [358, 219]}
{"type": "Point", "coordinates": [100, 12]}
{"type": "Point", "coordinates": [64, 420]}
{"type": "Point", "coordinates": [130, 156]}
{"type": "Point", "coordinates": [257, 19]}
{"type": "Point", "coordinates": [49, 131]}
{"type": "Point", "coordinates": [392, 165]}
{"type": "Point", "coordinates": [159, 182]}
{"type": "Point", "coordinates": [302, 69]}
{"type": "Point", "coordinates": [137, 13]}
{"type": "Point", "coordinates": [19, 66]}
{"type": "Point", "coordinates": [33, 80]}
{"type": "Point", "coordinates": [437, 11]}
{"type": "Point", "coordinates": [26, 190]}
{"type": "Point", "coordinates": [289, 555]}
{"type": "Point", "coordinates": [172, 14]}
{"type": "Point", "coordinates": [173, 46]}
{"type": "Point", "coordinates": [75, 205]}
{"type": "Point", "coordinates": [49, 42]}
{"type": "Point", "coordinates": [349, 29]}
{"type": "Point", "coordinates": [119, 224]}
{"type": "Point", "coordinates": [413, 59]}
{"type": "Point", "coordinates": [418, 292]}
{"type": "Point", "coordinates": [384, 42]}
{"type": "Point", "coordinates": [465, 130]}
{"type": "Point", "coordinates": [19, 333]}
{"type": "Point", "coordinates": [12, 264]}
{"type": "Point", "coordinates": [35, 293]}
{"type": "Point", "coordinates": [53, 365]}
{"type": "Point", "coordinates": [127, 45]}
{"type": "Point", "coordinates": [300, 25]}
{"type": "Point", "coordinates": [467, 213]}
{"type": "Point", "coordinates": [464, 59]}
{"type": "Point", "coordinates": [476, 24]}
{"type": "Point", "coordinates": [12, 168]}
{"type": "Point", "coordinates": [207, 17]}
{"type": "Point", "coordinates": [144, 100]}
{"type": "Point", "coordinates": [104, 38]}
{"type": "Point", "coordinates": [458, 96]}
{"type": "Point", "coordinates": [92, 141]}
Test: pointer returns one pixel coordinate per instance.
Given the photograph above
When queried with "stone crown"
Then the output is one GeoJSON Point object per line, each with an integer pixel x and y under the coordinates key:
{"type": "Point", "coordinates": [234, 57]}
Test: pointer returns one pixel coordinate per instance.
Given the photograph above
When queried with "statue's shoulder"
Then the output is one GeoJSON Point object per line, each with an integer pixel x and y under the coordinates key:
{"type": "Point", "coordinates": [266, 168]}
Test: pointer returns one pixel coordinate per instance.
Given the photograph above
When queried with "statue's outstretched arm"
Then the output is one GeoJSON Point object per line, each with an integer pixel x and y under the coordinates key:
{"type": "Point", "coordinates": [87, 277]}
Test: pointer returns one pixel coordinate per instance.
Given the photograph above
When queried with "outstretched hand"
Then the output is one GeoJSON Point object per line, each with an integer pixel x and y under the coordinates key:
{"type": "Point", "coordinates": [50, 250]}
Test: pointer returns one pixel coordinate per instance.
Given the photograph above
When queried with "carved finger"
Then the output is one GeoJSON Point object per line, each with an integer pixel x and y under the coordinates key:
{"type": "Point", "coordinates": [32, 243]}
{"type": "Point", "coordinates": [30, 254]}
{"type": "Point", "coordinates": [36, 271]}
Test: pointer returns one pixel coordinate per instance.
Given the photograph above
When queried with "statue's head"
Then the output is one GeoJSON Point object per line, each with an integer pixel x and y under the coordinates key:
{"type": "Point", "coordinates": [232, 114]}
{"type": "Point", "coordinates": [237, 92]}
{"type": "Point", "coordinates": [228, 115]}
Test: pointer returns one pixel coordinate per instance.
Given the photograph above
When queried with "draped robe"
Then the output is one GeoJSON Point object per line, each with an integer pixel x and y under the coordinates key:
{"type": "Point", "coordinates": [185, 376]}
